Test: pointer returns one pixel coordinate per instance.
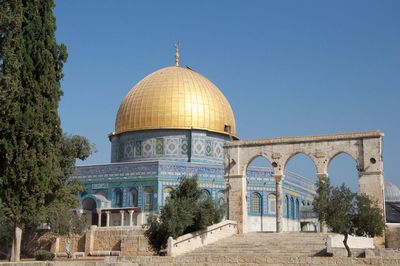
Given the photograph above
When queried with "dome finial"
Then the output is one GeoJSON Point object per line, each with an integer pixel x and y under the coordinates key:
{"type": "Point", "coordinates": [177, 45]}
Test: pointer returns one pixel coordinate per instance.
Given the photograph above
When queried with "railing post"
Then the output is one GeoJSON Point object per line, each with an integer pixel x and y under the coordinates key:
{"type": "Point", "coordinates": [169, 246]}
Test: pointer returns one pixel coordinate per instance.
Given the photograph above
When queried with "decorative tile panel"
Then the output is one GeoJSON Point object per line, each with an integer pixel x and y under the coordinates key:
{"type": "Point", "coordinates": [218, 150]}
{"type": "Point", "coordinates": [121, 151]}
{"type": "Point", "coordinates": [159, 146]}
{"type": "Point", "coordinates": [209, 148]}
{"type": "Point", "coordinates": [171, 146]}
{"type": "Point", "coordinates": [148, 148]}
{"type": "Point", "coordinates": [198, 146]}
{"type": "Point", "coordinates": [138, 148]}
{"type": "Point", "coordinates": [184, 146]}
{"type": "Point", "coordinates": [129, 150]}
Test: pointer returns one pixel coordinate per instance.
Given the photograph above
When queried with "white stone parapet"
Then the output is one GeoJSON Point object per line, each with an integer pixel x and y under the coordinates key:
{"type": "Point", "coordinates": [356, 242]}
{"type": "Point", "coordinates": [201, 238]}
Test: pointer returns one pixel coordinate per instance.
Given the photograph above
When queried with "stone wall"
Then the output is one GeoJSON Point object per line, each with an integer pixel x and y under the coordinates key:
{"type": "Point", "coordinates": [33, 241]}
{"type": "Point", "coordinates": [111, 238]}
{"type": "Point", "coordinates": [392, 236]}
{"type": "Point", "coordinates": [77, 243]}
{"type": "Point", "coordinates": [129, 241]}
{"type": "Point", "coordinates": [268, 224]}
{"type": "Point", "coordinates": [135, 245]}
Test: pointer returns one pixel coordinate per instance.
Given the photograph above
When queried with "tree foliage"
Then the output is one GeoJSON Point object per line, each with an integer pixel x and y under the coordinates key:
{"type": "Point", "coordinates": [186, 211]}
{"type": "Point", "coordinates": [352, 214]}
{"type": "Point", "coordinates": [5, 230]}
{"type": "Point", "coordinates": [320, 203]}
{"type": "Point", "coordinates": [73, 147]}
{"type": "Point", "coordinates": [35, 160]}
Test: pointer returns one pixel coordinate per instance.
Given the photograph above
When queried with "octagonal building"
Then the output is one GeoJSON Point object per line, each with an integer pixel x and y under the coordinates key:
{"type": "Point", "coordinates": [174, 123]}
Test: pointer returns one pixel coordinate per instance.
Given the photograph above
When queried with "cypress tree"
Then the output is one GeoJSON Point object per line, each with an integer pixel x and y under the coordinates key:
{"type": "Point", "coordinates": [30, 134]}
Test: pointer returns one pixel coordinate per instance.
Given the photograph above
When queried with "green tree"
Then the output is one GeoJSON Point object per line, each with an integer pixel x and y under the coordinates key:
{"type": "Point", "coordinates": [186, 211]}
{"type": "Point", "coordinates": [71, 222]}
{"type": "Point", "coordinates": [352, 214]}
{"type": "Point", "coordinates": [5, 234]}
{"type": "Point", "coordinates": [320, 203]}
{"type": "Point", "coordinates": [32, 170]}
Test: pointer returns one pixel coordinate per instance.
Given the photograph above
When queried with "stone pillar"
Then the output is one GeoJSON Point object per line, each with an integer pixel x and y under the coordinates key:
{"type": "Point", "coordinates": [98, 217]}
{"type": "Point", "coordinates": [278, 203]}
{"type": "Point", "coordinates": [130, 217]}
{"type": "Point", "coordinates": [238, 202]}
{"type": "Point", "coordinates": [89, 239]}
{"type": "Point", "coordinates": [56, 246]}
{"type": "Point", "coordinates": [140, 218]}
{"type": "Point", "coordinates": [122, 217]}
{"type": "Point", "coordinates": [371, 184]}
{"type": "Point", "coordinates": [323, 227]}
{"type": "Point", "coordinates": [108, 218]}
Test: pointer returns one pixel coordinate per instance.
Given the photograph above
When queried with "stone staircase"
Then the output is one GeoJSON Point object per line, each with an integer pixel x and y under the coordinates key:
{"type": "Point", "coordinates": [291, 248]}
{"type": "Point", "coordinates": [266, 244]}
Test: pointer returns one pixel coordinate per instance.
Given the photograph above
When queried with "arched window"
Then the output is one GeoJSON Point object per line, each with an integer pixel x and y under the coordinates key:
{"type": "Point", "coordinates": [118, 198]}
{"type": "Point", "coordinates": [287, 207]}
{"type": "Point", "coordinates": [148, 199]}
{"type": "Point", "coordinates": [271, 203]}
{"type": "Point", "coordinates": [206, 194]}
{"type": "Point", "coordinates": [133, 197]}
{"type": "Point", "coordinates": [166, 193]}
{"type": "Point", "coordinates": [292, 208]}
{"type": "Point", "coordinates": [256, 203]}
{"type": "Point", "coordinates": [221, 198]}
{"type": "Point", "coordinates": [297, 209]}
{"type": "Point", "coordinates": [89, 204]}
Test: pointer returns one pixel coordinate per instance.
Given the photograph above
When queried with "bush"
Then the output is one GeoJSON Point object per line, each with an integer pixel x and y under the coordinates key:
{"type": "Point", "coordinates": [43, 255]}
{"type": "Point", "coordinates": [187, 210]}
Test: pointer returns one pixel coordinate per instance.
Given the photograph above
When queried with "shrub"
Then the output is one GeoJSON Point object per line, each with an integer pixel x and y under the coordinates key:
{"type": "Point", "coordinates": [187, 210]}
{"type": "Point", "coordinates": [43, 255]}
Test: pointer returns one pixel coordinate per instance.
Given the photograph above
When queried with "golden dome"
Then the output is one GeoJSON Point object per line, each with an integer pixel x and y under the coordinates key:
{"type": "Point", "coordinates": [175, 98]}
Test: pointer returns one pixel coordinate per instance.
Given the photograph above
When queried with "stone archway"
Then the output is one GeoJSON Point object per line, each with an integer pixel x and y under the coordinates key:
{"type": "Point", "coordinates": [364, 147]}
{"type": "Point", "coordinates": [89, 206]}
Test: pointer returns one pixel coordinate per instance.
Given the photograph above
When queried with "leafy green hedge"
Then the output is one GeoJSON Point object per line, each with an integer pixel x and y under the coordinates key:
{"type": "Point", "coordinates": [43, 255]}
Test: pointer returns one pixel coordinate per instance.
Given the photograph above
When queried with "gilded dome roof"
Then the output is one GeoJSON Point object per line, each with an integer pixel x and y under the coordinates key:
{"type": "Point", "coordinates": [175, 98]}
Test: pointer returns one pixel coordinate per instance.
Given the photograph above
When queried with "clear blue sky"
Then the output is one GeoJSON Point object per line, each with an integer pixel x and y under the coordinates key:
{"type": "Point", "coordinates": [287, 67]}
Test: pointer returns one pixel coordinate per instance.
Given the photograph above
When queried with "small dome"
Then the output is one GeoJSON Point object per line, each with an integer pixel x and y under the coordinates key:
{"type": "Point", "coordinates": [175, 98]}
{"type": "Point", "coordinates": [392, 192]}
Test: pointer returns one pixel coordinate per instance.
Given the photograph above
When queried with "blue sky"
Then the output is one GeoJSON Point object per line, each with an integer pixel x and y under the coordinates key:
{"type": "Point", "coordinates": [287, 67]}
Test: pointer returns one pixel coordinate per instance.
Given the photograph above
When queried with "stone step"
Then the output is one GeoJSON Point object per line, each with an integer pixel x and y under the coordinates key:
{"type": "Point", "coordinates": [266, 244]}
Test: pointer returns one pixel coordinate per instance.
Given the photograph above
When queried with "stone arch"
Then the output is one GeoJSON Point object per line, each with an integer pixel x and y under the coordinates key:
{"type": "Point", "coordinates": [344, 167]}
{"type": "Point", "coordinates": [166, 192]}
{"type": "Point", "coordinates": [254, 157]}
{"type": "Point", "coordinates": [356, 159]}
{"type": "Point", "coordinates": [89, 204]}
{"type": "Point", "coordinates": [118, 198]}
{"type": "Point", "coordinates": [294, 154]}
{"type": "Point", "coordinates": [133, 197]}
{"type": "Point", "coordinates": [364, 147]}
